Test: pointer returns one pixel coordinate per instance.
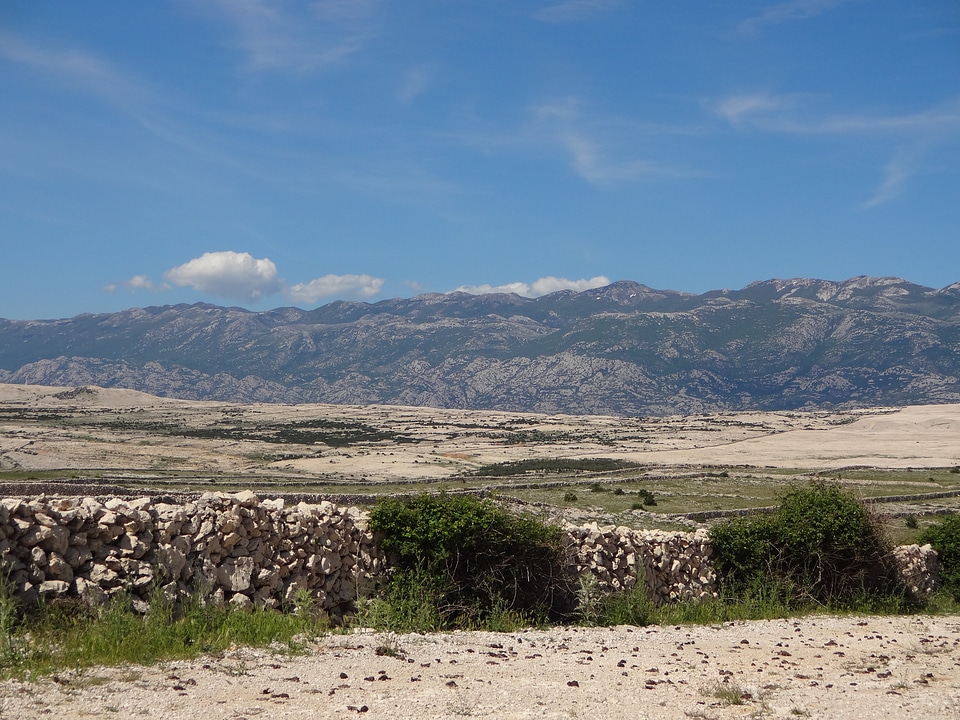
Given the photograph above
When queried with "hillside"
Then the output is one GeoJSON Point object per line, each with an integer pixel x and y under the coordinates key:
{"type": "Point", "coordinates": [625, 349]}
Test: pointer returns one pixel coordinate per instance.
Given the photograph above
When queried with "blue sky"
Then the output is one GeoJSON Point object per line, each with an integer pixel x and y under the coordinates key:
{"type": "Point", "coordinates": [262, 154]}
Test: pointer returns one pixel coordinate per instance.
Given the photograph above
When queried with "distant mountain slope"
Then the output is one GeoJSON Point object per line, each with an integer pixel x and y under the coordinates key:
{"type": "Point", "coordinates": [622, 349]}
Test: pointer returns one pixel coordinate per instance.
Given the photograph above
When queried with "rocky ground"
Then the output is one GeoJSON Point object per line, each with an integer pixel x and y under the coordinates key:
{"type": "Point", "coordinates": [814, 667]}
{"type": "Point", "coordinates": [818, 667]}
{"type": "Point", "coordinates": [117, 431]}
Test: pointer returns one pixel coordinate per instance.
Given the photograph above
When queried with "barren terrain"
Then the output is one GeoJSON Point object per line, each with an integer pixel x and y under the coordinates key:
{"type": "Point", "coordinates": [818, 667]}
{"type": "Point", "coordinates": [114, 430]}
{"type": "Point", "coordinates": [813, 667]}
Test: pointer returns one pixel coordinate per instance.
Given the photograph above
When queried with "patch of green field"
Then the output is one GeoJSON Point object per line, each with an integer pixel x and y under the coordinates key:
{"type": "Point", "coordinates": [937, 478]}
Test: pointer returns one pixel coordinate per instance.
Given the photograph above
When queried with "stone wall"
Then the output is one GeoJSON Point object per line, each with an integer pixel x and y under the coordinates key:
{"type": "Point", "coordinates": [230, 548]}
{"type": "Point", "coordinates": [251, 552]}
{"type": "Point", "coordinates": [918, 567]}
{"type": "Point", "coordinates": [674, 565]}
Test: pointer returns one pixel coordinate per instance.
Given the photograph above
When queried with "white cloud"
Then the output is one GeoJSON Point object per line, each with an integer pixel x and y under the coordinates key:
{"type": "Point", "coordinates": [361, 285]}
{"type": "Point", "coordinates": [415, 83]}
{"type": "Point", "coordinates": [81, 71]}
{"type": "Point", "coordinates": [788, 12]}
{"type": "Point", "coordinates": [340, 10]}
{"type": "Point", "coordinates": [592, 165]}
{"type": "Point", "coordinates": [895, 175]}
{"type": "Point", "coordinates": [585, 140]}
{"type": "Point", "coordinates": [793, 114]}
{"type": "Point", "coordinates": [240, 276]}
{"type": "Point", "coordinates": [276, 38]}
{"type": "Point", "coordinates": [140, 282]}
{"type": "Point", "coordinates": [137, 282]}
{"type": "Point", "coordinates": [543, 286]}
{"type": "Point", "coordinates": [738, 109]}
{"type": "Point", "coordinates": [575, 10]}
{"type": "Point", "coordinates": [227, 274]}
{"type": "Point", "coordinates": [915, 133]}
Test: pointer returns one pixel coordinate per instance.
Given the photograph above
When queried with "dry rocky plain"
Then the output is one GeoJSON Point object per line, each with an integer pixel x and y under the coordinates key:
{"type": "Point", "coordinates": [96, 441]}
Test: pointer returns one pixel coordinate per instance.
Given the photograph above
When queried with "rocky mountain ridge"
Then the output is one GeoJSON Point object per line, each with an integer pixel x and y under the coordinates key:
{"type": "Point", "coordinates": [624, 349]}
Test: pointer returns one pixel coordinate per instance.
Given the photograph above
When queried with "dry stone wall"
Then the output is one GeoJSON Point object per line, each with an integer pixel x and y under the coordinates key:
{"type": "Point", "coordinates": [231, 548]}
{"type": "Point", "coordinates": [250, 552]}
{"type": "Point", "coordinates": [674, 565]}
{"type": "Point", "coordinates": [918, 567]}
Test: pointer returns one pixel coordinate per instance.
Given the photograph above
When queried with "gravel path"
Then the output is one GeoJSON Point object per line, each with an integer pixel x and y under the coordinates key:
{"type": "Point", "coordinates": [820, 667]}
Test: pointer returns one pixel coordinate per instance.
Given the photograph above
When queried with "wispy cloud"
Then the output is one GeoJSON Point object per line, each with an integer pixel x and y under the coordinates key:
{"type": "Point", "coordinates": [78, 70]}
{"type": "Point", "coordinates": [754, 107]}
{"type": "Point", "coordinates": [137, 282]}
{"type": "Point", "coordinates": [571, 11]}
{"type": "Point", "coordinates": [795, 113]}
{"type": "Point", "coordinates": [897, 172]}
{"type": "Point", "coordinates": [415, 83]}
{"type": "Point", "coordinates": [913, 133]}
{"type": "Point", "coordinates": [343, 10]}
{"type": "Point", "coordinates": [275, 38]}
{"type": "Point", "coordinates": [543, 286]}
{"type": "Point", "coordinates": [790, 11]}
{"type": "Point", "coordinates": [597, 147]}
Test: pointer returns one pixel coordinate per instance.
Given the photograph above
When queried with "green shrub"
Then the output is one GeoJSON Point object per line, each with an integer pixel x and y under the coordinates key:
{"type": "Point", "coordinates": [569, 496]}
{"type": "Point", "coordinates": [945, 539]}
{"type": "Point", "coordinates": [65, 634]}
{"type": "Point", "coordinates": [820, 546]}
{"type": "Point", "coordinates": [626, 607]}
{"type": "Point", "coordinates": [471, 562]}
{"type": "Point", "coordinates": [647, 498]}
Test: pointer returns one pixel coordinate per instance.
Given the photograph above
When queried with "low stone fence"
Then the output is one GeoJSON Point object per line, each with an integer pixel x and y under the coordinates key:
{"type": "Point", "coordinates": [918, 567]}
{"type": "Point", "coordinates": [230, 548]}
{"type": "Point", "coordinates": [674, 565]}
{"type": "Point", "coordinates": [250, 552]}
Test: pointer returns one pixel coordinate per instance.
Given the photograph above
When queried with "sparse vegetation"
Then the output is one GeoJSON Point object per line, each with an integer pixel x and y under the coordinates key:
{"type": "Point", "coordinates": [646, 497]}
{"type": "Point", "coordinates": [66, 634]}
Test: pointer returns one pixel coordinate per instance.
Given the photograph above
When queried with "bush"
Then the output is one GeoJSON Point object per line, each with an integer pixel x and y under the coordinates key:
{"type": "Point", "coordinates": [647, 498]}
{"type": "Point", "coordinates": [821, 546]}
{"type": "Point", "coordinates": [471, 562]}
{"type": "Point", "coordinates": [945, 539]}
{"type": "Point", "coordinates": [569, 496]}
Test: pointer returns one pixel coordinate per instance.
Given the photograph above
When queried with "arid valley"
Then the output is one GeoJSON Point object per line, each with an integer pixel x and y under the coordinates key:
{"type": "Point", "coordinates": [96, 441]}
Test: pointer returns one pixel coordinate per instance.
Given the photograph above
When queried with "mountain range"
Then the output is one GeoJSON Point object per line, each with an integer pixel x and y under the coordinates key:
{"type": "Point", "coordinates": [623, 349]}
